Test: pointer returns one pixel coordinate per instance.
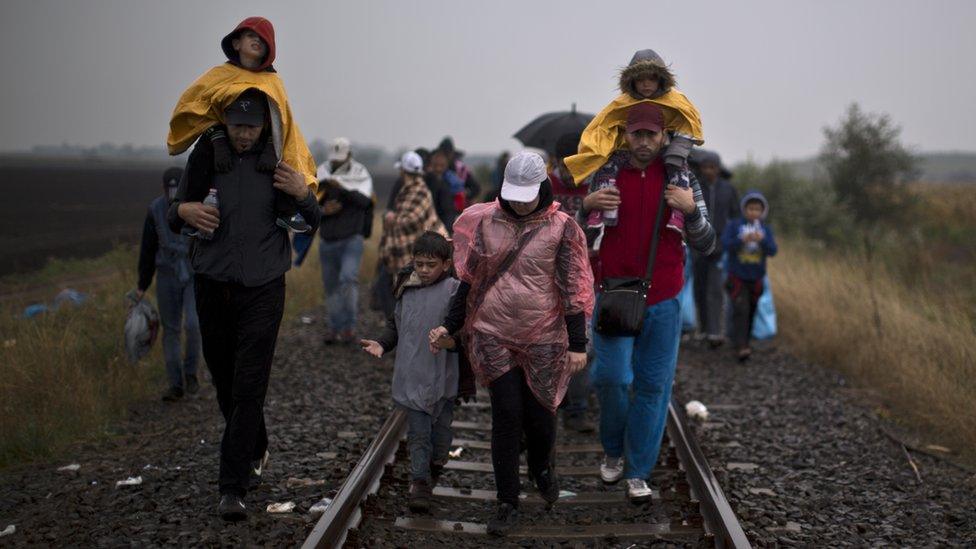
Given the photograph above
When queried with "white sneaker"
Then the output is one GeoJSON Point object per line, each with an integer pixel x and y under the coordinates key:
{"type": "Point", "coordinates": [611, 469]}
{"type": "Point", "coordinates": [637, 490]}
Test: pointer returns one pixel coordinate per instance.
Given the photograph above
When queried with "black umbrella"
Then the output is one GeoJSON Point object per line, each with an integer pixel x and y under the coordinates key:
{"type": "Point", "coordinates": [545, 130]}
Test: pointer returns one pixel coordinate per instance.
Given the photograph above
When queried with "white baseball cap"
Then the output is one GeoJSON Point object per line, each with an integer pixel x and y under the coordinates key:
{"type": "Point", "coordinates": [411, 162]}
{"type": "Point", "coordinates": [339, 149]}
{"type": "Point", "coordinates": [524, 174]}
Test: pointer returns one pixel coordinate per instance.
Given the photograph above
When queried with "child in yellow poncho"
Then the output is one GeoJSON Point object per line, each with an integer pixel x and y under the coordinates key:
{"type": "Point", "coordinates": [250, 50]}
{"type": "Point", "coordinates": [645, 79]}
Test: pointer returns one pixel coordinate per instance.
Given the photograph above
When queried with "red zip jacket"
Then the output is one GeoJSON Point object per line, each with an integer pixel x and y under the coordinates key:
{"type": "Point", "coordinates": [626, 246]}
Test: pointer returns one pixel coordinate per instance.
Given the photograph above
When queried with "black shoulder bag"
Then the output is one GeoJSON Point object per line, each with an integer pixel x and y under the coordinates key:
{"type": "Point", "coordinates": [623, 300]}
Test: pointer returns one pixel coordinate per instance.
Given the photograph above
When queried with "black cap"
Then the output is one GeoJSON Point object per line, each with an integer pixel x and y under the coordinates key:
{"type": "Point", "coordinates": [247, 110]}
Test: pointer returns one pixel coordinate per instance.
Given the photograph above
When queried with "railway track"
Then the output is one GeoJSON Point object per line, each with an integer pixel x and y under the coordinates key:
{"type": "Point", "coordinates": [687, 507]}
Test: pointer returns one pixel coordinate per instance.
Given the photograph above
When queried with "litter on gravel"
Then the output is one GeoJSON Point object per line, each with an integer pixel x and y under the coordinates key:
{"type": "Point", "coordinates": [320, 506]}
{"type": "Point", "coordinates": [456, 453]}
{"type": "Point", "coordinates": [293, 482]}
{"type": "Point", "coordinates": [131, 481]}
{"type": "Point", "coordinates": [70, 468]}
{"type": "Point", "coordinates": [286, 507]}
{"type": "Point", "coordinates": [696, 410]}
{"type": "Point", "coordinates": [10, 529]}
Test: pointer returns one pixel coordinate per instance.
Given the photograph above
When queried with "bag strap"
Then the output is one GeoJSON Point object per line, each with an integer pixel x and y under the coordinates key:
{"type": "Point", "coordinates": [654, 236]}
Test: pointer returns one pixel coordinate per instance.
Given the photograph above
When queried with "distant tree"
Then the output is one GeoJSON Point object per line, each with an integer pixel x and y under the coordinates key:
{"type": "Point", "coordinates": [869, 170]}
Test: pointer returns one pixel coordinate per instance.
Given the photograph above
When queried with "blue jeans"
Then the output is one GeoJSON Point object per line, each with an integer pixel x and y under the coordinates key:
{"type": "Point", "coordinates": [429, 438]}
{"type": "Point", "coordinates": [177, 307]}
{"type": "Point", "coordinates": [633, 427]}
{"type": "Point", "coordinates": [340, 276]}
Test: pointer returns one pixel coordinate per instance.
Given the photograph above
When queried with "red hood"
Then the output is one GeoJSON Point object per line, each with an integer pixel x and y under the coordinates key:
{"type": "Point", "coordinates": [263, 28]}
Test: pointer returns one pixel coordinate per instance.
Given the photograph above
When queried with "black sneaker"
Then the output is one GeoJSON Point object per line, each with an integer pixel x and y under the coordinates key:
{"type": "Point", "coordinates": [173, 394]}
{"type": "Point", "coordinates": [257, 469]}
{"type": "Point", "coordinates": [504, 520]}
{"type": "Point", "coordinates": [295, 223]}
{"type": "Point", "coordinates": [231, 508]}
{"type": "Point", "coordinates": [192, 385]}
{"type": "Point", "coordinates": [548, 484]}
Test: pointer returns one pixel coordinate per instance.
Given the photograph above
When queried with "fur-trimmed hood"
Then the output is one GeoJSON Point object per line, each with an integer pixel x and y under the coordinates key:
{"type": "Point", "coordinates": [646, 64]}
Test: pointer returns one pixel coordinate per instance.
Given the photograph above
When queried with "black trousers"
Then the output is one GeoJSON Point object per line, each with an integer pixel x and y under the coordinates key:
{"type": "Point", "coordinates": [708, 294]}
{"type": "Point", "coordinates": [514, 411]}
{"type": "Point", "coordinates": [745, 298]}
{"type": "Point", "coordinates": [239, 329]}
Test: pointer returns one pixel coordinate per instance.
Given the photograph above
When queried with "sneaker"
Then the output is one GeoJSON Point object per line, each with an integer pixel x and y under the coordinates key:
{"type": "Point", "coordinates": [192, 385]}
{"type": "Point", "coordinates": [173, 394]}
{"type": "Point", "coordinates": [504, 520]}
{"type": "Point", "coordinates": [637, 490]}
{"type": "Point", "coordinates": [744, 354]}
{"type": "Point", "coordinates": [578, 423]}
{"type": "Point", "coordinates": [257, 469]}
{"type": "Point", "coordinates": [548, 484]}
{"type": "Point", "coordinates": [231, 508]}
{"type": "Point", "coordinates": [295, 223]}
{"type": "Point", "coordinates": [420, 496]}
{"type": "Point", "coordinates": [612, 469]}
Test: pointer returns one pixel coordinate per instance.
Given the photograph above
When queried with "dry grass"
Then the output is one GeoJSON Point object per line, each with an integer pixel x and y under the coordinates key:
{"type": "Point", "coordinates": [64, 375]}
{"type": "Point", "coordinates": [923, 361]}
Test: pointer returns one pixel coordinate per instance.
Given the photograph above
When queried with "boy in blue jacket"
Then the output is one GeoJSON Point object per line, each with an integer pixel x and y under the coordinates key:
{"type": "Point", "coordinates": [748, 241]}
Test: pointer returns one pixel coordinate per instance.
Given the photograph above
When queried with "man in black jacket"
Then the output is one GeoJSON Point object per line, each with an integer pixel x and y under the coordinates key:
{"type": "Point", "coordinates": [346, 195]}
{"type": "Point", "coordinates": [722, 201]}
{"type": "Point", "coordinates": [240, 284]}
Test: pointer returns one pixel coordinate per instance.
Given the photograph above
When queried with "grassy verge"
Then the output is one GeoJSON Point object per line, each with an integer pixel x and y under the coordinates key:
{"type": "Point", "coordinates": [64, 375]}
{"type": "Point", "coordinates": [922, 361]}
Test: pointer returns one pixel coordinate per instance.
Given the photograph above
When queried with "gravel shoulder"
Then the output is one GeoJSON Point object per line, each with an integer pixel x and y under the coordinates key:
{"type": "Point", "coordinates": [324, 404]}
{"type": "Point", "coordinates": [805, 462]}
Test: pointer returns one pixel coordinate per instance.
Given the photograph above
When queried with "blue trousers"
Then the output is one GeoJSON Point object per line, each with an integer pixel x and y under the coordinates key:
{"type": "Point", "coordinates": [429, 438]}
{"type": "Point", "coordinates": [340, 276]}
{"type": "Point", "coordinates": [632, 425]}
{"type": "Point", "coordinates": [178, 309]}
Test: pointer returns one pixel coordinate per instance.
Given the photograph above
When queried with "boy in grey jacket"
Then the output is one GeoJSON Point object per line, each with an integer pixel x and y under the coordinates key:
{"type": "Point", "coordinates": [425, 384]}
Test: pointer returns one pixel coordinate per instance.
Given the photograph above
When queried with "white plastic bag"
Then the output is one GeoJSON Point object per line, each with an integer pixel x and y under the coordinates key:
{"type": "Point", "coordinates": [141, 327]}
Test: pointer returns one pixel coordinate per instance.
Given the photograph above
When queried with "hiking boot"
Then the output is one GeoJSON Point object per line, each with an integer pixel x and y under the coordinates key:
{"type": "Point", "coordinates": [257, 469]}
{"type": "Point", "coordinates": [504, 520]}
{"type": "Point", "coordinates": [173, 394]}
{"type": "Point", "coordinates": [578, 423]}
{"type": "Point", "coordinates": [637, 490]}
{"type": "Point", "coordinates": [612, 469]}
{"type": "Point", "coordinates": [231, 508]}
{"type": "Point", "coordinates": [419, 496]}
{"type": "Point", "coordinates": [192, 385]}
{"type": "Point", "coordinates": [548, 485]}
{"type": "Point", "coordinates": [295, 223]}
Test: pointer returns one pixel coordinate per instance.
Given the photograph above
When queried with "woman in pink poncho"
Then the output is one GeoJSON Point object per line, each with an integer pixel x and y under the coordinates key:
{"type": "Point", "coordinates": [521, 310]}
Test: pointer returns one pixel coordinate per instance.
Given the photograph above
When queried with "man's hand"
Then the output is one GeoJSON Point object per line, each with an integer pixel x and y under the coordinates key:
{"type": "Point", "coordinates": [679, 198]}
{"type": "Point", "coordinates": [290, 182]}
{"type": "Point", "coordinates": [577, 362]}
{"type": "Point", "coordinates": [199, 216]}
{"type": "Point", "coordinates": [371, 347]}
{"type": "Point", "coordinates": [331, 207]}
{"type": "Point", "coordinates": [604, 199]}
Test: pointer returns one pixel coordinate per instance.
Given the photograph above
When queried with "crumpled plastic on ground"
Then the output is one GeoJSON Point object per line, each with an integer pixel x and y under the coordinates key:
{"type": "Point", "coordinates": [131, 481]}
{"type": "Point", "coordinates": [70, 468]}
{"type": "Point", "coordinates": [320, 506]}
{"type": "Point", "coordinates": [456, 453]}
{"type": "Point", "coordinates": [286, 507]}
{"type": "Point", "coordinates": [10, 529]}
{"type": "Point", "coordinates": [141, 327]}
{"type": "Point", "coordinates": [696, 410]}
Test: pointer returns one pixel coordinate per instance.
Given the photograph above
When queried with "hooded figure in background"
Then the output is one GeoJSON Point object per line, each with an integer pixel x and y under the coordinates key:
{"type": "Point", "coordinates": [202, 105]}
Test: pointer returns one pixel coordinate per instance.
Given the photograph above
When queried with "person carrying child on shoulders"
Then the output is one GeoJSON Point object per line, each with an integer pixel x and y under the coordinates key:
{"type": "Point", "coordinates": [250, 51]}
{"type": "Point", "coordinates": [425, 384]}
{"type": "Point", "coordinates": [748, 241]}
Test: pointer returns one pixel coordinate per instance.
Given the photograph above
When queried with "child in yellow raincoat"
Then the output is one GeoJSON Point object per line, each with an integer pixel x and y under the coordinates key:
{"type": "Point", "coordinates": [645, 79]}
{"type": "Point", "coordinates": [250, 50]}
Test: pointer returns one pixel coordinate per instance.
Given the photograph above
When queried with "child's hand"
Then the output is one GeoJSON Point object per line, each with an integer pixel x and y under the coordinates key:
{"type": "Point", "coordinates": [446, 342]}
{"type": "Point", "coordinates": [371, 347]}
{"type": "Point", "coordinates": [434, 338]}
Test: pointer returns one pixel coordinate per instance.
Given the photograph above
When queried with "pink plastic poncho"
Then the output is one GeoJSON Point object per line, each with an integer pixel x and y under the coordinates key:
{"type": "Point", "coordinates": [515, 308]}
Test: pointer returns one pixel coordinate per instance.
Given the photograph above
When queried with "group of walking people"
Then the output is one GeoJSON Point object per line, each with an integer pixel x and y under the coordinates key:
{"type": "Point", "coordinates": [569, 279]}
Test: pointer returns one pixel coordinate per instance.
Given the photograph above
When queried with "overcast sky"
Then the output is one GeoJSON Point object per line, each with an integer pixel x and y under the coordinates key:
{"type": "Point", "coordinates": [766, 76]}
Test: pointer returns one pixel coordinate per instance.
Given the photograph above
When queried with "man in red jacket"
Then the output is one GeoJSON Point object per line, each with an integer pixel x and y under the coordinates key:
{"type": "Point", "coordinates": [631, 429]}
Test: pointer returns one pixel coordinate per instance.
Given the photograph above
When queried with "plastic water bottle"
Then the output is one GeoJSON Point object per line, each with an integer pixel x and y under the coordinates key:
{"type": "Point", "coordinates": [211, 200]}
{"type": "Point", "coordinates": [610, 216]}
